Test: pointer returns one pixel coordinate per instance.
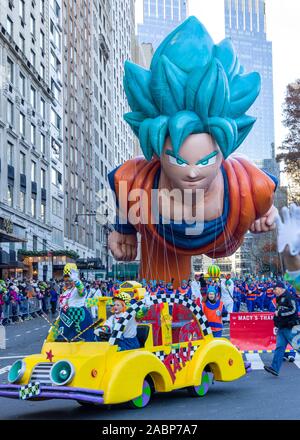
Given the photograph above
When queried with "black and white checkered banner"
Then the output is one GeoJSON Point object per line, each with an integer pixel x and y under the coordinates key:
{"type": "Point", "coordinates": [173, 298]}
{"type": "Point", "coordinates": [161, 355]}
{"type": "Point", "coordinates": [29, 390]}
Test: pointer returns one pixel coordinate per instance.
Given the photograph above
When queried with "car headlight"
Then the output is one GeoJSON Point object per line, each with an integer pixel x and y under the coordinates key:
{"type": "Point", "coordinates": [16, 371]}
{"type": "Point", "coordinates": [62, 373]}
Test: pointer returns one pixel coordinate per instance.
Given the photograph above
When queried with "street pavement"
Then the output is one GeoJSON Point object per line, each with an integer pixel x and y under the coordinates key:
{"type": "Point", "coordinates": [256, 396]}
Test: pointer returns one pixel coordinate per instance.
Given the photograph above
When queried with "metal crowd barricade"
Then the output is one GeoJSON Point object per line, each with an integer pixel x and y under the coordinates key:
{"type": "Point", "coordinates": [11, 313]}
{"type": "Point", "coordinates": [27, 308]}
{"type": "Point", "coordinates": [6, 314]}
{"type": "Point", "coordinates": [34, 307]}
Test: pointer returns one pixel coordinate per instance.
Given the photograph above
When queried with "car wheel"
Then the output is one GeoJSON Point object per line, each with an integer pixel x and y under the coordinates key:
{"type": "Point", "coordinates": [144, 398]}
{"type": "Point", "coordinates": [202, 389]}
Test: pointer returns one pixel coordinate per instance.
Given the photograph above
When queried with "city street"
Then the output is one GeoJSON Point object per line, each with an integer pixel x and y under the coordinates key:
{"type": "Point", "coordinates": [255, 396]}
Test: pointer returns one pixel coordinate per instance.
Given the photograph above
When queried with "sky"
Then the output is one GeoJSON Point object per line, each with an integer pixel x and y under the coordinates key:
{"type": "Point", "coordinates": [282, 29]}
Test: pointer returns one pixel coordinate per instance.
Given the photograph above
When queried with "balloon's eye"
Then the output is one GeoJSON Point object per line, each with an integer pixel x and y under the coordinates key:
{"type": "Point", "coordinates": [207, 162]}
{"type": "Point", "coordinates": [177, 161]}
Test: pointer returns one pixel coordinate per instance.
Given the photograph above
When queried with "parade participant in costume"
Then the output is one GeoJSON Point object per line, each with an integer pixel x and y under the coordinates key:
{"type": "Point", "coordinates": [170, 288]}
{"type": "Point", "coordinates": [152, 288]}
{"type": "Point", "coordinates": [92, 299]}
{"type": "Point", "coordinates": [236, 298]}
{"type": "Point", "coordinates": [286, 315]}
{"type": "Point", "coordinates": [196, 290]}
{"type": "Point", "coordinates": [161, 287]}
{"type": "Point", "coordinates": [189, 113]}
{"type": "Point", "coordinates": [184, 289]}
{"type": "Point", "coordinates": [129, 340]}
{"type": "Point", "coordinates": [250, 297]}
{"type": "Point", "coordinates": [3, 292]}
{"type": "Point", "coordinates": [214, 309]}
{"type": "Point", "coordinates": [74, 317]}
{"type": "Point", "coordinates": [268, 301]}
{"type": "Point", "coordinates": [227, 288]}
{"type": "Point", "coordinates": [260, 296]}
{"type": "Point", "coordinates": [115, 288]}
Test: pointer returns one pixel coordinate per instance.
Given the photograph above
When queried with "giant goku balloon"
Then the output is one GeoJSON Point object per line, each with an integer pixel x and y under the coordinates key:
{"type": "Point", "coordinates": [189, 114]}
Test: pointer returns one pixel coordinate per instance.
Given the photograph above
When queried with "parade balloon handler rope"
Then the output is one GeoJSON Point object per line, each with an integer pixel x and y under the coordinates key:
{"type": "Point", "coordinates": [173, 298]}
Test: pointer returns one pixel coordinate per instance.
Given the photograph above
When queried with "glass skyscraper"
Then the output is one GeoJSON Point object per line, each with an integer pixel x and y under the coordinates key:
{"type": "Point", "coordinates": [245, 24]}
{"type": "Point", "coordinates": [160, 18]}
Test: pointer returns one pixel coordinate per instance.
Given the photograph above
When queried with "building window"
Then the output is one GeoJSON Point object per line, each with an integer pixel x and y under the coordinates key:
{"type": "Point", "coordinates": [10, 113]}
{"type": "Point", "coordinates": [43, 178]}
{"type": "Point", "coordinates": [9, 26]}
{"type": "Point", "coordinates": [55, 7]}
{"type": "Point", "coordinates": [43, 143]}
{"type": "Point", "coordinates": [33, 97]}
{"type": "Point", "coordinates": [22, 9]}
{"type": "Point", "coordinates": [10, 153]}
{"type": "Point", "coordinates": [34, 243]}
{"type": "Point", "coordinates": [56, 178]}
{"type": "Point", "coordinates": [22, 124]}
{"type": "Point", "coordinates": [55, 119]}
{"type": "Point", "coordinates": [42, 41]}
{"type": "Point", "coordinates": [22, 163]}
{"type": "Point", "coordinates": [54, 35]}
{"type": "Point", "coordinates": [22, 84]}
{"type": "Point", "coordinates": [33, 205]}
{"type": "Point", "coordinates": [22, 43]}
{"type": "Point", "coordinates": [44, 244]}
{"type": "Point", "coordinates": [55, 90]}
{"type": "Point", "coordinates": [32, 25]}
{"type": "Point", "coordinates": [57, 236]}
{"type": "Point", "coordinates": [32, 57]}
{"type": "Point", "coordinates": [33, 171]}
{"type": "Point", "coordinates": [43, 108]}
{"type": "Point", "coordinates": [22, 201]}
{"type": "Point", "coordinates": [33, 134]}
{"type": "Point", "coordinates": [42, 71]}
{"type": "Point", "coordinates": [43, 213]}
{"type": "Point", "coordinates": [10, 68]}
{"type": "Point", "coordinates": [57, 208]}
{"type": "Point", "coordinates": [10, 195]}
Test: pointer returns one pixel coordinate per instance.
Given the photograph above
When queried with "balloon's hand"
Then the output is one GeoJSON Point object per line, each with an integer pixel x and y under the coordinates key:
{"type": "Point", "coordinates": [123, 246]}
{"type": "Point", "coordinates": [265, 223]}
{"type": "Point", "coordinates": [288, 231]}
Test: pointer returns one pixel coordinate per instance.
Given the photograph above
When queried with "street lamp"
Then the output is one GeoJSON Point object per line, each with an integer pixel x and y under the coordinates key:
{"type": "Point", "coordinates": [86, 214]}
{"type": "Point", "coordinates": [107, 228]}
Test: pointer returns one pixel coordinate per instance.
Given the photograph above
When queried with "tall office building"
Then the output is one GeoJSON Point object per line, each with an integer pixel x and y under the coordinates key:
{"type": "Point", "coordinates": [245, 24]}
{"type": "Point", "coordinates": [102, 102]}
{"type": "Point", "coordinates": [78, 126]}
{"type": "Point", "coordinates": [160, 18]}
{"type": "Point", "coordinates": [98, 40]}
{"type": "Point", "coordinates": [30, 131]}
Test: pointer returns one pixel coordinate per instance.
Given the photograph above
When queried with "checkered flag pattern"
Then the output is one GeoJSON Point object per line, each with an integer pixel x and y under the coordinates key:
{"type": "Point", "coordinates": [161, 355]}
{"type": "Point", "coordinates": [173, 298]}
{"type": "Point", "coordinates": [29, 390]}
{"type": "Point", "coordinates": [76, 314]}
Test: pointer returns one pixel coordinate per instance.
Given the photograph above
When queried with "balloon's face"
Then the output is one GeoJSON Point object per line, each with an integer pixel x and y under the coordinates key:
{"type": "Point", "coordinates": [196, 165]}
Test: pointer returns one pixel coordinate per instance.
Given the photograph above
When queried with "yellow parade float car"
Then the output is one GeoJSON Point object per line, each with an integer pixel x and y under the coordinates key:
{"type": "Point", "coordinates": [133, 288]}
{"type": "Point", "coordinates": [184, 354]}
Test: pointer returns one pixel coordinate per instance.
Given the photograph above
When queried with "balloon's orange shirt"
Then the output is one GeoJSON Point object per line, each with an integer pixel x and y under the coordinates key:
{"type": "Point", "coordinates": [251, 193]}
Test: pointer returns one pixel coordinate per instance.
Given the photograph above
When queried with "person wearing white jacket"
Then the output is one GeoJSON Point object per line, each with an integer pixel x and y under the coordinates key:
{"type": "Point", "coordinates": [227, 288]}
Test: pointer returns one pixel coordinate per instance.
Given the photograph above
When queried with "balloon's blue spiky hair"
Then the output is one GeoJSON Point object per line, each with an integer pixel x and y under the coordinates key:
{"type": "Point", "coordinates": [193, 86]}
